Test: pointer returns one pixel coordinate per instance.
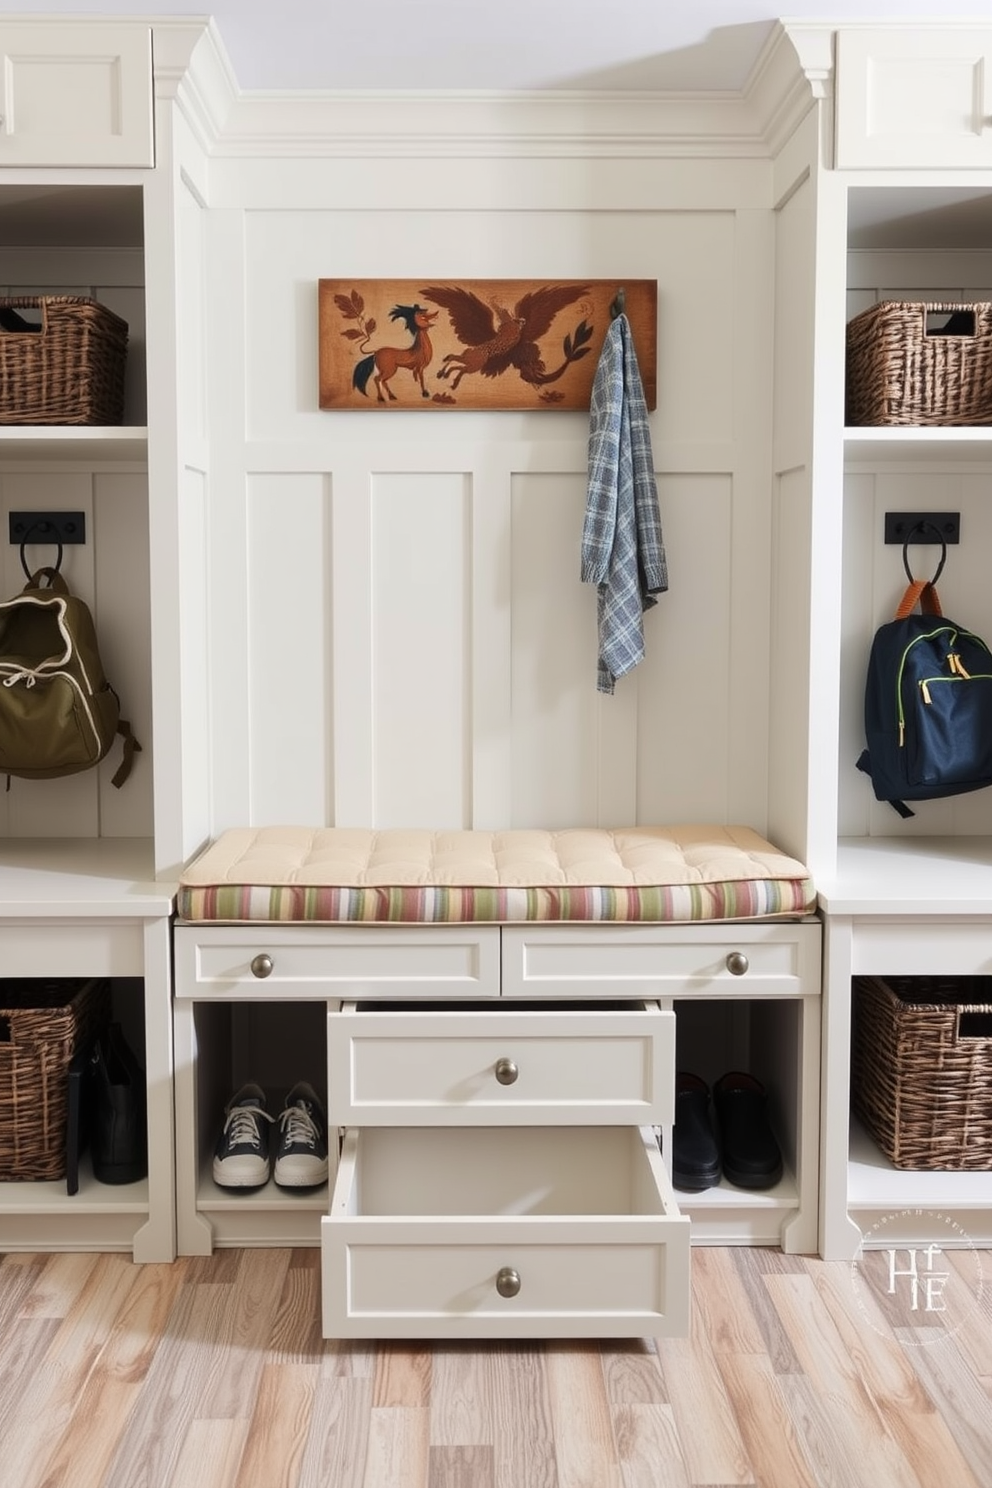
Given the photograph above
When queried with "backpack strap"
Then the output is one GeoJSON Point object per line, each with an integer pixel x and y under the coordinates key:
{"type": "Point", "coordinates": [920, 591]}
{"type": "Point", "coordinates": [55, 581]}
{"type": "Point", "coordinates": [131, 748]}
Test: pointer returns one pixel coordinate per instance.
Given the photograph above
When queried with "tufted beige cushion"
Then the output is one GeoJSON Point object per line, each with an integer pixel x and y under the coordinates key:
{"type": "Point", "coordinates": [679, 872]}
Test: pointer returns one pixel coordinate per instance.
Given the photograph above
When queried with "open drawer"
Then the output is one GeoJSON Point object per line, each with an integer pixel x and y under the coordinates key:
{"type": "Point", "coordinates": [510, 1065]}
{"type": "Point", "coordinates": [549, 1232]}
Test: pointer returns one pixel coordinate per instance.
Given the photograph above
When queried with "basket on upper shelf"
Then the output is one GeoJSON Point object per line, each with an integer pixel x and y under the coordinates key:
{"type": "Point", "coordinates": [921, 1069]}
{"type": "Point", "coordinates": [911, 362]}
{"type": "Point", "coordinates": [62, 360]}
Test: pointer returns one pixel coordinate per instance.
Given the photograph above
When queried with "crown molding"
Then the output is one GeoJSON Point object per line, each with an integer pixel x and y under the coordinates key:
{"type": "Point", "coordinates": [192, 67]}
{"type": "Point", "coordinates": [793, 73]}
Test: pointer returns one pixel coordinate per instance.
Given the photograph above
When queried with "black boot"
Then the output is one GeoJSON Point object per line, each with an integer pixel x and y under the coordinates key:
{"type": "Point", "coordinates": [119, 1137]}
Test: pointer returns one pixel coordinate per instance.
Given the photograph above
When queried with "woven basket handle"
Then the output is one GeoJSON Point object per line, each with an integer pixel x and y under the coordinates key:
{"type": "Point", "coordinates": [974, 1024]}
{"type": "Point", "coordinates": [923, 592]}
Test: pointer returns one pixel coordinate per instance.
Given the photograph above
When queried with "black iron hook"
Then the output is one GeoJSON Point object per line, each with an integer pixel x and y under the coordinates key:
{"type": "Point", "coordinates": [41, 528]}
{"type": "Point", "coordinates": [924, 527]}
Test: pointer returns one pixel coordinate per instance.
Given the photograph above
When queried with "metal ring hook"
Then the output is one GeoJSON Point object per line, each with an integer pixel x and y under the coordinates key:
{"type": "Point", "coordinates": [44, 528]}
{"type": "Point", "coordinates": [924, 527]}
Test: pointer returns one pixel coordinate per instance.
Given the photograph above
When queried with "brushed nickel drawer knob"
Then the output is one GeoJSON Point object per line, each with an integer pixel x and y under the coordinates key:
{"type": "Point", "coordinates": [737, 963]}
{"type": "Point", "coordinates": [506, 1071]}
{"type": "Point", "coordinates": [261, 966]}
{"type": "Point", "coordinates": [507, 1281]}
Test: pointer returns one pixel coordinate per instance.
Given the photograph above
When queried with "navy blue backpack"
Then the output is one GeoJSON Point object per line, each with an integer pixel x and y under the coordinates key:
{"type": "Point", "coordinates": [928, 705]}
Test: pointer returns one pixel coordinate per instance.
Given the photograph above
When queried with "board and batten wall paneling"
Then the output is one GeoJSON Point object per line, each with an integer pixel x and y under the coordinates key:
{"type": "Point", "coordinates": [421, 585]}
{"type": "Point", "coordinates": [789, 658]}
{"type": "Point", "coordinates": [554, 715]}
{"type": "Point", "coordinates": [198, 659]}
{"type": "Point", "coordinates": [458, 683]}
{"type": "Point", "coordinates": [290, 649]}
{"type": "Point", "coordinates": [119, 536]}
{"type": "Point", "coordinates": [685, 738]}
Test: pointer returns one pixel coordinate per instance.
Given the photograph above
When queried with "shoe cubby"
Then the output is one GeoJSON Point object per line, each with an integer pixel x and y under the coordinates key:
{"type": "Point", "coordinates": [221, 1047]}
{"type": "Point", "coordinates": [77, 1210]}
{"type": "Point", "coordinates": [777, 1042]}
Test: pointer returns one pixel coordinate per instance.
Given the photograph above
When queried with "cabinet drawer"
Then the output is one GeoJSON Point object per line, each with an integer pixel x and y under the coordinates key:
{"type": "Point", "coordinates": [508, 1065]}
{"type": "Point", "coordinates": [577, 961]}
{"type": "Point", "coordinates": [340, 962]}
{"type": "Point", "coordinates": [504, 1234]}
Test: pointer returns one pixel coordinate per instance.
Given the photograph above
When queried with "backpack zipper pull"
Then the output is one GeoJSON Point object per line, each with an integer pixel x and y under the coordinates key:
{"type": "Point", "coordinates": [957, 666]}
{"type": "Point", "coordinates": [925, 691]}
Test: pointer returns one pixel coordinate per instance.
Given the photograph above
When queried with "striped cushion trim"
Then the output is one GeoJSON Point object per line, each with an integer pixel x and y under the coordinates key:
{"type": "Point", "coordinates": [739, 899]}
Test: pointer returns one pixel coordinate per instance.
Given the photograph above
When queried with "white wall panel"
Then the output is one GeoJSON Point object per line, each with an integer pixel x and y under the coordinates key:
{"type": "Point", "coordinates": [196, 657]}
{"type": "Point", "coordinates": [684, 733]}
{"type": "Point", "coordinates": [290, 649]}
{"type": "Point", "coordinates": [421, 647]}
{"type": "Point", "coordinates": [554, 708]}
{"type": "Point", "coordinates": [459, 645]}
{"type": "Point", "coordinates": [690, 254]}
{"type": "Point", "coordinates": [119, 535]}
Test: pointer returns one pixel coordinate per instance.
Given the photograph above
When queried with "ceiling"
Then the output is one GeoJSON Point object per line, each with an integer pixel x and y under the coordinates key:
{"type": "Point", "coordinates": [682, 46]}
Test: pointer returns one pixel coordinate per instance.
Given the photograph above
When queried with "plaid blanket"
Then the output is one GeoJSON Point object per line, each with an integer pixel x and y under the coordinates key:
{"type": "Point", "coordinates": [622, 547]}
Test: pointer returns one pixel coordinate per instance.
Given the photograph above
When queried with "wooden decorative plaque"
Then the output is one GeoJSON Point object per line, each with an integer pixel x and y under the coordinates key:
{"type": "Point", "coordinates": [479, 343]}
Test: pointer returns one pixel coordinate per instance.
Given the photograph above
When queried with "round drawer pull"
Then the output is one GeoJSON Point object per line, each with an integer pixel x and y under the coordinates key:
{"type": "Point", "coordinates": [737, 963]}
{"type": "Point", "coordinates": [506, 1071]}
{"type": "Point", "coordinates": [507, 1281]}
{"type": "Point", "coordinates": [261, 966]}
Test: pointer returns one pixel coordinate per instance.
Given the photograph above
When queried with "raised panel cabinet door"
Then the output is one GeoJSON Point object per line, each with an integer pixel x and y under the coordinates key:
{"type": "Point", "coordinates": [913, 97]}
{"type": "Point", "coordinates": [75, 94]}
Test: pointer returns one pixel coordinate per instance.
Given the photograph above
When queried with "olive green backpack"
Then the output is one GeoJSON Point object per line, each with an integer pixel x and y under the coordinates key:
{"type": "Point", "coordinates": [58, 712]}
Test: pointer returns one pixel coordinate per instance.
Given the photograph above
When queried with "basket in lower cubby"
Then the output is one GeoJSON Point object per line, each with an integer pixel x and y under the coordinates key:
{"type": "Point", "coordinates": [44, 1022]}
{"type": "Point", "coordinates": [921, 1069]}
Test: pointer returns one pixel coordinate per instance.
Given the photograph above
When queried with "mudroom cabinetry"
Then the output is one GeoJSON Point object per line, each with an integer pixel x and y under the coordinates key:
{"type": "Point", "coordinates": [83, 211]}
{"type": "Point", "coordinates": [904, 213]}
{"type": "Point", "coordinates": [497, 1089]}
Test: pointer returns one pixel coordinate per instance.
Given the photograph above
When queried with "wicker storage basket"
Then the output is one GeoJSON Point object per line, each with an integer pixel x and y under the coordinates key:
{"type": "Point", "coordinates": [921, 1069]}
{"type": "Point", "coordinates": [900, 373]}
{"type": "Point", "coordinates": [42, 1024]}
{"type": "Point", "coordinates": [67, 370]}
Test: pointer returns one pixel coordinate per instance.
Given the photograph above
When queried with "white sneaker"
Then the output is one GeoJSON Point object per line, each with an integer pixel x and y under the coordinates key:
{"type": "Point", "coordinates": [301, 1153]}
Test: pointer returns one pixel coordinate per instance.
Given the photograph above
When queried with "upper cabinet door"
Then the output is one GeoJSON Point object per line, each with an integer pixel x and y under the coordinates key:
{"type": "Point", "coordinates": [75, 94]}
{"type": "Point", "coordinates": [914, 96]}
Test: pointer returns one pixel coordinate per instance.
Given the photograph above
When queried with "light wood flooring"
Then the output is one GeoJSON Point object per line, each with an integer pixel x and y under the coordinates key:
{"type": "Point", "coordinates": [211, 1373]}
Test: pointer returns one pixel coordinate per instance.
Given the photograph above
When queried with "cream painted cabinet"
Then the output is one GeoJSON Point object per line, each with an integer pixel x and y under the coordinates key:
{"type": "Point", "coordinates": [499, 1092]}
{"type": "Point", "coordinates": [904, 212]}
{"type": "Point", "coordinates": [83, 890]}
{"type": "Point", "coordinates": [913, 97]}
{"type": "Point", "coordinates": [75, 94]}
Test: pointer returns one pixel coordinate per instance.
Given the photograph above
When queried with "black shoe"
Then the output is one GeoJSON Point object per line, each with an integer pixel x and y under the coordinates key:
{"type": "Point", "coordinates": [119, 1134]}
{"type": "Point", "coordinates": [695, 1154]}
{"type": "Point", "coordinates": [301, 1156]}
{"type": "Point", "coordinates": [241, 1156]}
{"type": "Point", "coordinates": [751, 1155]}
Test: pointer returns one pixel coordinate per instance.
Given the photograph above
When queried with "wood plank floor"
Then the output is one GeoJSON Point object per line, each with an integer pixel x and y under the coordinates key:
{"type": "Point", "coordinates": [211, 1373]}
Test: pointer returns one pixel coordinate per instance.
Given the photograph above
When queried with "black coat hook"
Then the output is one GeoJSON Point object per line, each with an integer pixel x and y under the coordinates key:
{"type": "Point", "coordinates": [922, 527]}
{"type": "Point", "coordinates": [44, 531]}
{"type": "Point", "coordinates": [619, 304]}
